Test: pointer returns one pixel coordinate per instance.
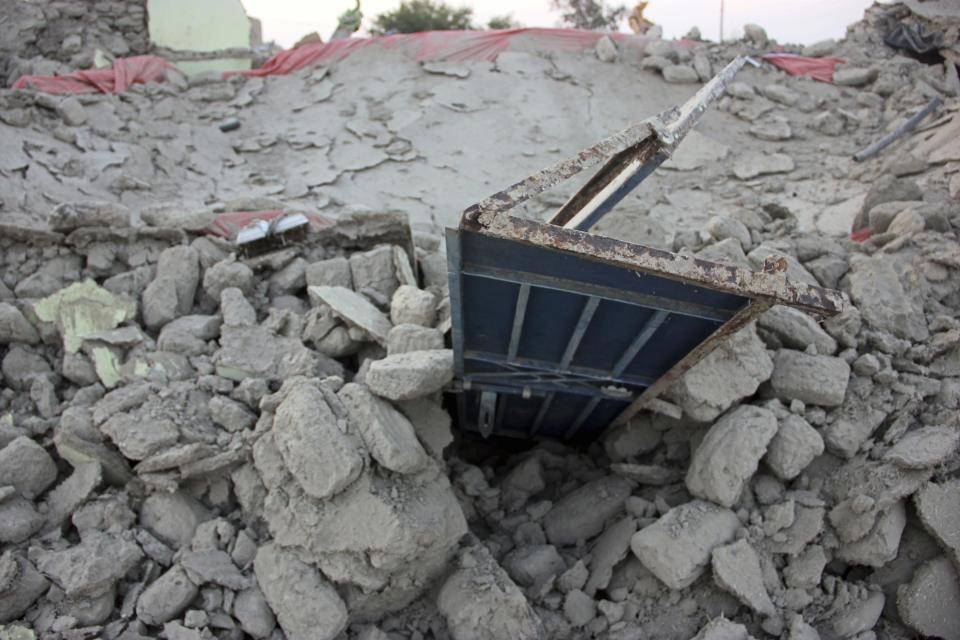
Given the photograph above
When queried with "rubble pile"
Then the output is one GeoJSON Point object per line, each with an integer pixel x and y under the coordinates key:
{"type": "Point", "coordinates": [60, 36]}
{"type": "Point", "coordinates": [200, 443]}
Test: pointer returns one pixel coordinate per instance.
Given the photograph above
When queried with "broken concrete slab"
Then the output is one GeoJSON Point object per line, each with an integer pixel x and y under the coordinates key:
{"type": "Point", "coordinates": [938, 507]}
{"type": "Point", "coordinates": [880, 546]}
{"type": "Point", "coordinates": [355, 310]}
{"type": "Point", "coordinates": [407, 376]}
{"type": "Point", "coordinates": [677, 547]}
{"type": "Point", "coordinates": [876, 289]}
{"type": "Point", "coordinates": [729, 454]}
{"type": "Point", "coordinates": [93, 566]}
{"type": "Point", "coordinates": [138, 438]}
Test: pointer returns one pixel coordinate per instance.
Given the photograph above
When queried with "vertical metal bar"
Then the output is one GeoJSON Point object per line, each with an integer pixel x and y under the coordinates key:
{"type": "Point", "coordinates": [518, 314]}
{"type": "Point", "coordinates": [454, 276]}
{"type": "Point", "coordinates": [541, 413]}
{"type": "Point", "coordinates": [639, 342]}
{"type": "Point", "coordinates": [586, 315]}
{"type": "Point", "coordinates": [750, 311]}
{"type": "Point", "coordinates": [616, 191]}
{"type": "Point", "coordinates": [582, 417]}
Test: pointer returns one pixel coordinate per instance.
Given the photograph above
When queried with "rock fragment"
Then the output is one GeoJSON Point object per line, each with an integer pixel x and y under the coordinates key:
{"type": "Point", "coordinates": [924, 448]}
{"type": "Point", "coordinates": [166, 597]}
{"type": "Point", "coordinates": [306, 605]}
{"type": "Point", "coordinates": [880, 545]}
{"type": "Point", "coordinates": [317, 450]}
{"type": "Point", "coordinates": [14, 327]}
{"type": "Point", "coordinates": [20, 585]}
{"type": "Point", "coordinates": [27, 467]}
{"type": "Point", "coordinates": [820, 380]}
{"type": "Point", "coordinates": [581, 514]}
{"type": "Point", "coordinates": [388, 435]}
{"type": "Point", "coordinates": [407, 376]}
{"type": "Point", "coordinates": [794, 447]}
{"type": "Point", "coordinates": [729, 454]}
{"type": "Point", "coordinates": [256, 618]}
{"type": "Point", "coordinates": [481, 602]}
{"type": "Point", "coordinates": [734, 370]}
{"type": "Point", "coordinates": [938, 506]}
{"type": "Point", "coordinates": [930, 603]}
{"type": "Point", "coordinates": [736, 568]}
{"type": "Point", "coordinates": [677, 547]}
{"type": "Point", "coordinates": [411, 305]}
{"type": "Point", "coordinates": [355, 310]}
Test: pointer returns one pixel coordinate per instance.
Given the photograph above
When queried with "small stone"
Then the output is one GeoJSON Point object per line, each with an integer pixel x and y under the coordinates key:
{"type": "Point", "coordinates": [806, 569]}
{"type": "Point", "coordinates": [736, 568]}
{"type": "Point", "coordinates": [27, 467]}
{"type": "Point", "coordinates": [729, 454]}
{"type": "Point", "coordinates": [534, 565]}
{"type": "Point", "coordinates": [846, 76]}
{"type": "Point", "coordinates": [411, 305]}
{"type": "Point", "coordinates": [879, 546]}
{"type": "Point", "coordinates": [14, 327]}
{"type": "Point", "coordinates": [18, 520]}
{"type": "Point", "coordinates": [250, 608]}
{"type": "Point", "coordinates": [213, 566]}
{"type": "Point", "coordinates": [306, 605]}
{"type": "Point", "coordinates": [793, 448]}
{"type": "Point", "coordinates": [172, 517]}
{"type": "Point", "coordinates": [680, 74]}
{"type": "Point", "coordinates": [230, 414]}
{"type": "Point", "coordinates": [751, 165]}
{"type": "Point", "coordinates": [166, 597]}
{"type": "Point", "coordinates": [606, 49]}
{"type": "Point", "coordinates": [677, 547]}
{"type": "Point", "coordinates": [579, 608]}
{"type": "Point", "coordinates": [411, 375]}
{"type": "Point", "coordinates": [582, 513]}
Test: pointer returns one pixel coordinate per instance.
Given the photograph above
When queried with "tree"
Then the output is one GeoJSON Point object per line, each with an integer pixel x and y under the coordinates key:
{"type": "Point", "coordinates": [590, 14]}
{"type": "Point", "coordinates": [422, 15]}
{"type": "Point", "coordinates": [502, 22]}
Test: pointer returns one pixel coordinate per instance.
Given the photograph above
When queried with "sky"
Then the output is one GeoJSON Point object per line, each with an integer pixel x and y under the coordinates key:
{"type": "Point", "coordinates": [793, 21]}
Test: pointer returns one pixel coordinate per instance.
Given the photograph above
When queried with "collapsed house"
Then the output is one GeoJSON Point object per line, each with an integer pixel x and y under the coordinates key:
{"type": "Point", "coordinates": [198, 441]}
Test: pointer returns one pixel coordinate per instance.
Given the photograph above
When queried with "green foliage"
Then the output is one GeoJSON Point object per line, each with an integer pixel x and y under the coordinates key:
{"type": "Point", "coordinates": [502, 22]}
{"type": "Point", "coordinates": [422, 15]}
{"type": "Point", "coordinates": [590, 14]}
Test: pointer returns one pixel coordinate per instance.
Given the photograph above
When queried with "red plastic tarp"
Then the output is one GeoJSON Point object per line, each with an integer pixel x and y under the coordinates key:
{"type": "Point", "coordinates": [125, 72]}
{"type": "Point", "coordinates": [817, 68]}
{"type": "Point", "coordinates": [452, 46]}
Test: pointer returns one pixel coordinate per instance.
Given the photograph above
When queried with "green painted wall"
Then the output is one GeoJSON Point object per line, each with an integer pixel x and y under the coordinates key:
{"type": "Point", "coordinates": [200, 25]}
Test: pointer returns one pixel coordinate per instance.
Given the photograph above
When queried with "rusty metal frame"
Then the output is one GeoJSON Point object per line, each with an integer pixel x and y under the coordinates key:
{"type": "Point", "coordinates": [629, 156]}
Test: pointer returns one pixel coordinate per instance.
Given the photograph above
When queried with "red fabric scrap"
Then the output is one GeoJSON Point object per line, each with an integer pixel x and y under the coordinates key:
{"type": "Point", "coordinates": [860, 235]}
{"type": "Point", "coordinates": [226, 225]}
{"type": "Point", "coordinates": [817, 68]}
{"type": "Point", "coordinates": [125, 72]}
{"type": "Point", "coordinates": [454, 46]}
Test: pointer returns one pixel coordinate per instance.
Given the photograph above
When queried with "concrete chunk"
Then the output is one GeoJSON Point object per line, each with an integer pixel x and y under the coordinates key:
{"type": "Point", "coordinates": [938, 506]}
{"type": "Point", "coordinates": [386, 432]}
{"type": "Point", "coordinates": [411, 305]}
{"type": "Point", "coordinates": [820, 380]}
{"type": "Point", "coordinates": [732, 371]}
{"type": "Point", "coordinates": [27, 466]}
{"type": "Point", "coordinates": [924, 448]}
{"type": "Point", "coordinates": [930, 603]}
{"type": "Point", "coordinates": [406, 376]}
{"type": "Point", "coordinates": [793, 448]}
{"type": "Point", "coordinates": [306, 605]}
{"type": "Point", "coordinates": [14, 327]}
{"type": "Point", "coordinates": [166, 597]}
{"type": "Point", "coordinates": [736, 568]}
{"type": "Point", "coordinates": [677, 547]}
{"type": "Point", "coordinates": [316, 449]}
{"type": "Point", "coordinates": [355, 310]}
{"type": "Point", "coordinates": [581, 514]}
{"type": "Point", "coordinates": [729, 454]}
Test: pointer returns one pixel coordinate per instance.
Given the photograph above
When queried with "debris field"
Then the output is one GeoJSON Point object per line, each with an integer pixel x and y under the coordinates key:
{"type": "Point", "coordinates": [197, 442]}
